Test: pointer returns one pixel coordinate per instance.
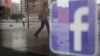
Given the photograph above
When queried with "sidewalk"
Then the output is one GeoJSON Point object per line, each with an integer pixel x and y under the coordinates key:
{"type": "Point", "coordinates": [22, 39]}
{"type": "Point", "coordinates": [18, 25]}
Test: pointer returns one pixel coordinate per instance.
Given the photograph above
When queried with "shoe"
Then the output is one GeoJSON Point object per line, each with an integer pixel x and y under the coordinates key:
{"type": "Point", "coordinates": [36, 35]}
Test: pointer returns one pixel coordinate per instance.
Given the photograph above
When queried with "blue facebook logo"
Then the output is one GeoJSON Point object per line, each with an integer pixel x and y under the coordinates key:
{"type": "Point", "coordinates": [76, 33]}
{"type": "Point", "coordinates": [82, 27]}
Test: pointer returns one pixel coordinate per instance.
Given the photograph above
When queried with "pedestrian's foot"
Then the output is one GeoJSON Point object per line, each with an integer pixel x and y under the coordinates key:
{"type": "Point", "coordinates": [36, 36]}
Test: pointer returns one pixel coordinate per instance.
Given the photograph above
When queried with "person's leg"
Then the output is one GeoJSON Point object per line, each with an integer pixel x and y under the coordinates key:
{"type": "Point", "coordinates": [23, 23]}
{"type": "Point", "coordinates": [47, 25]}
{"type": "Point", "coordinates": [41, 27]}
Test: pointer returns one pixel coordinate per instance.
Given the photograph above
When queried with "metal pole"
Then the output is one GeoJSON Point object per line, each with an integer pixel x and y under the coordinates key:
{"type": "Point", "coordinates": [27, 14]}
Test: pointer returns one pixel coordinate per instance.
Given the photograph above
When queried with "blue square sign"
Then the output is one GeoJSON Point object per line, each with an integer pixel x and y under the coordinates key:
{"type": "Point", "coordinates": [73, 27]}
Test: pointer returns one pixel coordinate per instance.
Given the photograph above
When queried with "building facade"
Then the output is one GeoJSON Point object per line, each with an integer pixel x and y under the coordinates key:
{"type": "Point", "coordinates": [33, 5]}
{"type": "Point", "coordinates": [23, 6]}
{"type": "Point", "coordinates": [34, 8]}
{"type": "Point", "coordinates": [5, 6]}
{"type": "Point", "coordinates": [15, 8]}
{"type": "Point", "coordinates": [5, 3]}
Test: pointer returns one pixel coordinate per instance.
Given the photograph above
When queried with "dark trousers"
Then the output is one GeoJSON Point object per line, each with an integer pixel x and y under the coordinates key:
{"type": "Point", "coordinates": [43, 23]}
{"type": "Point", "coordinates": [23, 23]}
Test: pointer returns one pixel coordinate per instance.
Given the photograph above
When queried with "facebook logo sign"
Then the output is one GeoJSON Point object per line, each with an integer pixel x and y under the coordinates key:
{"type": "Point", "coordinates": [73, 29]}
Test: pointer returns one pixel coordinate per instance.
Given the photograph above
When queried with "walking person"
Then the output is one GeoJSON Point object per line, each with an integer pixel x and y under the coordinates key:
{"type": "Point", "coordinates": [43, 17]}
{"type": "Point", "coordinates": [24, 19]}
{"type": "Point", "coordinates": [1, 15]}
